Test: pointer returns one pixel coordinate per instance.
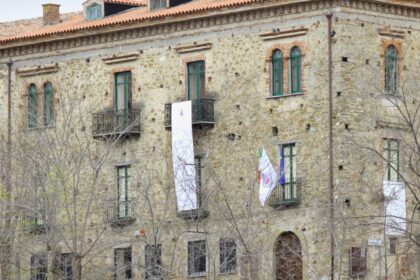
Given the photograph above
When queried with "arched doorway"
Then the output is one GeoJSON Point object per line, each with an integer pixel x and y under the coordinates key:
{"type": "Point", "coordinates": [288, 257]}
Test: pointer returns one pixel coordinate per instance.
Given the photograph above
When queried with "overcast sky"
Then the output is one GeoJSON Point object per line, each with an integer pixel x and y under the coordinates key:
{"type": "Point", "coordinates": [21, 9]}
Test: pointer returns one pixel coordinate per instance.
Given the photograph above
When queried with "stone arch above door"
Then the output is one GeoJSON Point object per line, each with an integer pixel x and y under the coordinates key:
{"type": "Point", "coordinates": [288, 257]}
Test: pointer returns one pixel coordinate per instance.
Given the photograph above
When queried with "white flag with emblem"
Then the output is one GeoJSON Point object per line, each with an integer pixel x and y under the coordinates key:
{"type": "Point", "coordinates": [267, 177]}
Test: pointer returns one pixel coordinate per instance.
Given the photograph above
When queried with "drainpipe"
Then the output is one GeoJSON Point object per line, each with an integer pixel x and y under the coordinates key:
{"type": "Point", "coordinates": [330, 143]}
{"type": "Point", "coordinates": [6, 250]}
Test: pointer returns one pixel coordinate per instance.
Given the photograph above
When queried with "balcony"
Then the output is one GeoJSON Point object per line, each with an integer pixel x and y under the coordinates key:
{"type": "Point", "coordinates": [119, 213]}
{"type": "Point", "coordinates": [32, 224]}
{"type": "Point", "coordinates": [202, 113]}
{"type": "Point", "coordinates": [113, 123]}
{"type": "Point", "coordinates": [286, 196]}
{"type": "Point", "coordinates": [196, 214]}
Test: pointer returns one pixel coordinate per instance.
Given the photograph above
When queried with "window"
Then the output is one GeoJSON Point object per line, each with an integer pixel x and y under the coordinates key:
{"type": "Point", "coordinates": [392, 160]}
{"type": "Point", "coordinates": [66, 266]}
{"type": "Point", "coordinates": [94, 12]}
{"type": "Point", "coordinates": [227, 255]}
{"type": "Point", "coordinates": [123, 191]}
{"type": "Point", "coordinates": [198, 178]}
{"type": "Point", "coordinates": [358, 261]}
{"type": "Point", "coordinates": [153, 263]}
{"type": "Point", "coordinates": [48, 104]}
{"type": "Point", "coordinates": [288, 172]}
{"type": "Point", "coordinates": [157, 4]}
{"type": "Point", "coordinates": [295, 71]}
{"type": "Point", "coordinates": [123, 264]}
{"type": "Point", "coordinates": [392, 245]}
{"type": "Point", "coordinates": [32, 106]}
{"type": "Point", "coordinates": [122, 91]}
{"type": "Point", "coordinates": [197, 258]}
{"type": "Point", "coordinates": [39, 267]}
{"type": "Point", "coordinates": [391, 69]}
{"type": "Point", "coordinates": [196, 80]}
{"type": "Point", "coordinates": [277, 73]}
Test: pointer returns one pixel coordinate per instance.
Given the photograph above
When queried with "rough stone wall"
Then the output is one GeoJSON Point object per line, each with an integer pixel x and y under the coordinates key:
{"type": "Point", "coordinates": [236, 76]}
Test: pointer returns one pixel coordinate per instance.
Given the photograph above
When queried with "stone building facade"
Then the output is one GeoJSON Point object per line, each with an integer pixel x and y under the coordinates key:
{"type": "Point", "coordinates": [94, 89]}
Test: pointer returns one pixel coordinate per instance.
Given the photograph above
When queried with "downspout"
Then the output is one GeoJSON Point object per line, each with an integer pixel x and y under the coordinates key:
{"type": "Point", "coordinates": [330, 144]}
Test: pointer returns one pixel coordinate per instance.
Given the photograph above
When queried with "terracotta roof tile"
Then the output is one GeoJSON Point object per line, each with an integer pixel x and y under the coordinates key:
{"type": "Point", "coordinates": [77, 23]}
{"type": "Point", "coordinates": [128, 2]}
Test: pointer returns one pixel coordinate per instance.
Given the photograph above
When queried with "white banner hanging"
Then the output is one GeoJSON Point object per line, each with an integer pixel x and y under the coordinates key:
{"type": "Point", "coordinates": [394, 193]}
{"type": "Point", "coordinates": [183, 156]}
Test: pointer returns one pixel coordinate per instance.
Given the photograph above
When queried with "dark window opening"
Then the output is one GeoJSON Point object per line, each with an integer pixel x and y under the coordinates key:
{"type": "Point", "coordinates": [197, 258]}
{"type": "Point", "coordinates": [123, 264]}
{"type": "Point", "coordinates": [227, 255]}
{"type": "Point", "coordinates": [153, 263]}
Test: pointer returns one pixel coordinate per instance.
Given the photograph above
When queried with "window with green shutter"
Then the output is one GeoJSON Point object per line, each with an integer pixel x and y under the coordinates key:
{"type": "Point", "coordinates": [94, 11]}
{"type": "Point", "coordinates": [392, 160]}
{"type": "Point", "coordinates": [391, 69]}
{"type": "Point", "coordinates": [123, 189]}
{"type": "Point", "coordinates": [48, 104]}
{"type": "Point", "coordinates": [122, 99]}
{"type": "Point", "coordinates": [32, 107]}
{"type": "Point", "coordinates": [289, 156]}
{"type": "Point", "coordinates": [277, 73]}
{"type": "Point", "coordinates": [196, 80]}
{"type": "Point", "coordinates": [295, 71]}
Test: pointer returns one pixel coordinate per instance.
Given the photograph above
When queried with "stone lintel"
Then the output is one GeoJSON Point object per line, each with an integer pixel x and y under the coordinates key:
{"type": "Point", "coordinates": [38, 70]}
{"type": "Point", "coordinates": [193, 48]}
{"type": "Point", "coordinates": [283, 34]}
{"type": "Point", "coordinates": [120, 58]}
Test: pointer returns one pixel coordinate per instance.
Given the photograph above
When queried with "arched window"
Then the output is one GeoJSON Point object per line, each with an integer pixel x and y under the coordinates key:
{"type": "Point", "coordinates": [277, 73]}
{"type": "Point", "coordinates": [48, 104]}
{"type": "Point", "coordinates": [288, 257]}
{"type": "Point", "coordinates": [391, 69]}
{"type": "Point", "coordinates": [295, 71]}
{"type": "Point", "coordinates": [32, 106]}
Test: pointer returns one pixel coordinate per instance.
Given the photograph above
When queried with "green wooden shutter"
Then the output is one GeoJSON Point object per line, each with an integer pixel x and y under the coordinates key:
{"type": "Point", "coordinates": [32, 107]}
{"type": "Point", "coordinates": [277, 73]}
{"type": "Point", "coordinates": [295, 71]}
{"type": "Point", "coordinates": [391, 69]}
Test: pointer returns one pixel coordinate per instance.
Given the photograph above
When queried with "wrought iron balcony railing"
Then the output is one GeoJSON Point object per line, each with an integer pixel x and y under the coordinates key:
{"type": "Point", "coordinates": [115, 123]}
{"type": "Point", "coordinates": [201, 212]}
{"type": "Point", "coordinates": [119, 213]}
{"type": "Point", "coordinates": [202, 113]}
{"type": "Point", "coordinates": [32, 224]}
{"type": "Point", "coordinates": [287, 195]}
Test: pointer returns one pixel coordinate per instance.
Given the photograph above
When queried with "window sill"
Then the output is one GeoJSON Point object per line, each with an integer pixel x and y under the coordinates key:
{"type": "Point", "coordinates": [197, 275]}
{"type": "Point", "coordinates": [40, 127]}
{"type": "Point", "coordinates": [227, 273]}
{"type": "Point", "coordinates": [284, 96]}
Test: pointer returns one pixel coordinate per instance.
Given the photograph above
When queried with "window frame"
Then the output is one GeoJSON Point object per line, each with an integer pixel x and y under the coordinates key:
{"type": "Point", "coordinates": [39, 272]}
{"type": "Point", "coordinates": [153, 263]}
{"type": "Point", "coordinates": [94, 11]}
{"type": "Point", "coordinates": [66, 266]}
{"type": "Point", "coordinates": [48, 105]}
{"type": "Point", "coordinates": [126, 176]}
{"type": "Point", "coordinates": [196, 256]}
{"type": "Point", "coordinates": [277, 80]}
{"type": "Point", "coordinates": [127, 266]}
{"type": "Point", "coordinates": [153, 5]}
{"type": "Point", "coordinates": [298, 72]}
{"type": "Point", "coordinates": [391, 61]}
{"type": "Point", "coordinates": [223, 254]}
{"type": "Point", "coordinates": [387, 150]}
{"type": "Point", "coordinates": [32, 106]}
{"type": "Point", "coordinates": [201, 79]}
{"type": "Point", "coordinates": [127, 82]}
{"type": "Point", "coordinates": [290, 184]}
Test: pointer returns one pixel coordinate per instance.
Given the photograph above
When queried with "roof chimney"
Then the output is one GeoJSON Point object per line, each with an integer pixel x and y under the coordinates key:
{"type": "Point", "coordinates": [51, 13]}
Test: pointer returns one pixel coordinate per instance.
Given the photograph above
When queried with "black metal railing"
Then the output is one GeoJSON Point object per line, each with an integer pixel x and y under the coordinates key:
{"type": "Point", "coordinates": [202, 112]}
{"type": "Point", "coordinates": [286, 195]}
{"type": "Point", "coordinates": [32, 224]}
{"type": "Point", "coordinates": [195, 214]}
{"type": "Point", "coordinates": [119, 212]}
{"type": "Point", "coordinates": [111, 122]}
